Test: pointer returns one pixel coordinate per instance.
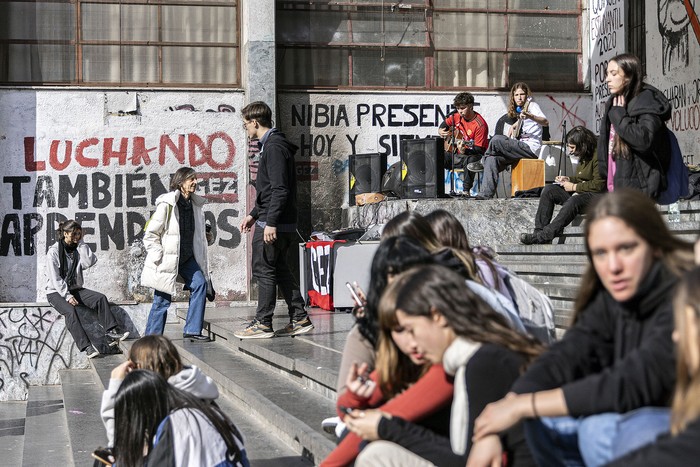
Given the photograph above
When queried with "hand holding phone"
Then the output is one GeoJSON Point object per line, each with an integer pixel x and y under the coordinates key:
{"type": "Point", "coordinates": [358, 381]}
{"type": "Point", "coordinates": [356, 294]}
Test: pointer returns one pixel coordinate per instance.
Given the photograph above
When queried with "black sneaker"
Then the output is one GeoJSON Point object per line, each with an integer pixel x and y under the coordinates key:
{"type": "Point", "coordinates": [197, 337]}
{"type": "Point", "coordinates": [475, 167]}
{"type": "Point", "coordinates": [116, 335]}
{"type": "Point", "coordinates": [91, 351]}
{"type": "Point", "coordinates": [295, 328]}
{"type": "Point", "coordinates": [527, 238]}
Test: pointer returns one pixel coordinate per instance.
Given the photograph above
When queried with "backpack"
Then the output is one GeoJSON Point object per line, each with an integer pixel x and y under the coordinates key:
{"type": "Point", "coordinates": [677, 175]}
{"type": "Point", "coordinates": [534, 308]}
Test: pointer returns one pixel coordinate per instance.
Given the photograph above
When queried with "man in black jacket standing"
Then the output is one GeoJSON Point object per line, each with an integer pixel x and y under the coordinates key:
{"type": "Point", "coordinates": [275, 220]}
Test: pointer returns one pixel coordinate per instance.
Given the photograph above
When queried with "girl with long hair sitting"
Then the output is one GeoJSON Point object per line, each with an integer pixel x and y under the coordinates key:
{"type": "Point", "coordinates": [393, 256]}
{"type": "Point", "coordinates": [444, 237]}
{"type": "Point", "coordinates": [574, 194]}
{"type": "Point", "coordinates": [157, 424]}
{"type": "Point", "coordinates": [399, 383]}
{"type": "Point", "coordinates": [156, 353]}
{"type": "Point", "coordinates": [683, 446]}
{"type": "Point", "coordinates": [611, 376]}
{"type": "Point", "coordinates": [439, 319]}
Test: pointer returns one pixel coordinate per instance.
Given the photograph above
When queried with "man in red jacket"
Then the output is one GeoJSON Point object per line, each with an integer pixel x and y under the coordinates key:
{"type": "Point", "coordinates": [471, 136]}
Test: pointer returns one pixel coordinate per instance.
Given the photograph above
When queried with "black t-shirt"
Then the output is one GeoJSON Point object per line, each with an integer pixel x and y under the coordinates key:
{"type": "Point", "coordinates": [184, 207]}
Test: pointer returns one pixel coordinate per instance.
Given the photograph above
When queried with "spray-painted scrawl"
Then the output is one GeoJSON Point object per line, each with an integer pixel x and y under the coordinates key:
{"type": "Point", "coordinates": [674, 18]}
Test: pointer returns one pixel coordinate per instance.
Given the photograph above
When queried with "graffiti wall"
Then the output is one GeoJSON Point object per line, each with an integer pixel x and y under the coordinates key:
{"type": "Point", "coordinates": [103, 158]}
{"type": "Point", "coordinates": [607, 39]}
{"type": "Point", "coordinates": [673, 66]}
{"type": "Point", "coordinates": [34, 346]}
{"type": "Point", "coordinates": [329, 126]}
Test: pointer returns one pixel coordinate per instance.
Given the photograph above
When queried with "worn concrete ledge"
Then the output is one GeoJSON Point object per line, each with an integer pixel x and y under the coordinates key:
{"type": "Point", "coordinates": [82, 398]}
{"type": "Point", "coordinates": [46, 428]}
{"type": "Point", "coordinates": [36, 344]}
{"type": "Point", "coordinates": [495, 222]}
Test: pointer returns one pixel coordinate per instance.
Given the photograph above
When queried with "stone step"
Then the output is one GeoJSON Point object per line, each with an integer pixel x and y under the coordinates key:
{"type": "Point", "coordinates": [12, 419]}
{"type": "Point", "coordinates": [82, 396]}
{"type": "Point", "coordinates": [312, 362]}
{"type": "Point", "coordinates": [563, 304]}
{"type": "Point", "coordinates": [46, 439]}
{"type": "Point", "coordinates": [522, 251]}
{"type": "Point", "coordinates": [687, 229]}
{"type": "Point", "coordinates": [269, 392]}
{"type": "Point", "coordinates": [688, 236]}
{"type": "Point", "coordinates": [263, 447]}
{"type": "Point", "coordinates": [558, 291]}
{"type": "Point", "coordinates": [562, 317]}
{"type": "Point", "coordinates": [556, 271]}
{"type": "Point", "coordinates": [688, 223]}
{"type": "Point", "coordinates": [546, 279]}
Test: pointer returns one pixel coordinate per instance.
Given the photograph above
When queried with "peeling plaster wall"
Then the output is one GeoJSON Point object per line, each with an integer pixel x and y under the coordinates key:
{"type": "Point", "coordinates": [330, 126]}
{"type": "Point", "coordinates": [102, 157]}
{"type": "Point", "coordinates": [673, 66]}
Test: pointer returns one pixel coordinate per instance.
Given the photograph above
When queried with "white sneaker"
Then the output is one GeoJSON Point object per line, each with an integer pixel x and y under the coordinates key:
{"type": "Point", "coordinates": [329, 424]}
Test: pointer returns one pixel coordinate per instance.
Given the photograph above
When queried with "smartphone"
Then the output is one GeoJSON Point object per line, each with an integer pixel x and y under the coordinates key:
{"type": "Point", "coordinates": [354, 294]}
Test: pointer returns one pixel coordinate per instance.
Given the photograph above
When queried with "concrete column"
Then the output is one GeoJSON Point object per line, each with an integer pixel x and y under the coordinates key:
{"type": "Point", "coordinates": [258, 51]}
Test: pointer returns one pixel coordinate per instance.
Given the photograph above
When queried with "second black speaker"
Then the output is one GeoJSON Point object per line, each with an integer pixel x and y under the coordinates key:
{"type": "Point", "coordinates": [366, 173]}
{"type": "Point", "coordinates": [423, 163]}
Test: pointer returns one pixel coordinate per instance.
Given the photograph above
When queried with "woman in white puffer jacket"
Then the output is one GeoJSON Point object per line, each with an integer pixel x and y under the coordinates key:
{"type": "Point", "coordinates": [176, 247]}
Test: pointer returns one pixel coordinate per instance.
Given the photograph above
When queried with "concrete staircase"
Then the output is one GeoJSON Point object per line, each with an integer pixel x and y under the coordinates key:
{"type": "Point", "coordinates": [277, 391]}
{"type": "Point", "coordinates": [288, 382]}
{"type": "Point", "coordinates": [61, 425]}
{"type": "Point", "coordinates": [556, 269]}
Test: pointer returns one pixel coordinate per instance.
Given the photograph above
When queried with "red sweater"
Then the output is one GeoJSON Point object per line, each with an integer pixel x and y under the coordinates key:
{"type": "Point", "coordinates": [429, 394]}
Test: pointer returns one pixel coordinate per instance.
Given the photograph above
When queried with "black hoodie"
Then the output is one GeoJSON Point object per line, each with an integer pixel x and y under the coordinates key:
{"type": "Point", "coordinates": [276, 185]}
{"type": "Point", "coordinates": [641, 126]}
{"type": "Point", "coordinates": [617, 357]}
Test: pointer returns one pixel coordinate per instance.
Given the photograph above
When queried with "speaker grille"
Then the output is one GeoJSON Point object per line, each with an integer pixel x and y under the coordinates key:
{"type": "Point", "coordinates": [423, 162]}
{"type": "Point", "coordinates": [365, 174]}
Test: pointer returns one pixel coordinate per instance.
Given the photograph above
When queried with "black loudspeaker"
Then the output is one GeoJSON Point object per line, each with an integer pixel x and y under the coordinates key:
{"type": "Point", "coordinates": [366, 173]}
{"type": "Point", "coordinates": [423, 172]}
{"type": "Point", "coordinates": [391, 183]}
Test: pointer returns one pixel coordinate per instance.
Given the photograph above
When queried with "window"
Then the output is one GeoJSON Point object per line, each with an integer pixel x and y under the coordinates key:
{"type": "Point", "coordinates": [636, 32]}
{"type": "Point", "coordinates": [429, 44]}
{"type": "Point", "coordinates": [107, 42]}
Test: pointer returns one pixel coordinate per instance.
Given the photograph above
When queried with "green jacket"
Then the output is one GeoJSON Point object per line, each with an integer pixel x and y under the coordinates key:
{"type": "Point", "coordinates": [588, 179]}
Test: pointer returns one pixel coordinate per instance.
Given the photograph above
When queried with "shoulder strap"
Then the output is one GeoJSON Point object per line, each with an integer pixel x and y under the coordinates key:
{"type": "Point", "coordinates": [167, 218]}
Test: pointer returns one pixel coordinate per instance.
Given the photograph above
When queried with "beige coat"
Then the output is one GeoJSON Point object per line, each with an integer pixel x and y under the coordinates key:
{"type": "Point", "coordinates": [162, 243]}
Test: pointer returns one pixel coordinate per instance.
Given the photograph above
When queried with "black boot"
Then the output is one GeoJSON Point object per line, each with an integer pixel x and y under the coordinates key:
{"type": "Point", "coordinates": [527, 238]}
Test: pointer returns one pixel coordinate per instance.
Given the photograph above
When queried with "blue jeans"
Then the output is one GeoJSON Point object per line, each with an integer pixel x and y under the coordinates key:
{"type": "Point", "coordinates": [595, 440]}
{"type": "Point", "coordinates": [197, 284]}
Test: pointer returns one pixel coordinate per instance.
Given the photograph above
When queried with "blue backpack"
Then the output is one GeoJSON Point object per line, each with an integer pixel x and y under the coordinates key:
{"type": "Point", "coordinates": [677, 175]}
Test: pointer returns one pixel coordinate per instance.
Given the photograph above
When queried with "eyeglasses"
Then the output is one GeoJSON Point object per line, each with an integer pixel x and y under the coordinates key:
{"type": "Point", "coordinates": [245, 124]}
